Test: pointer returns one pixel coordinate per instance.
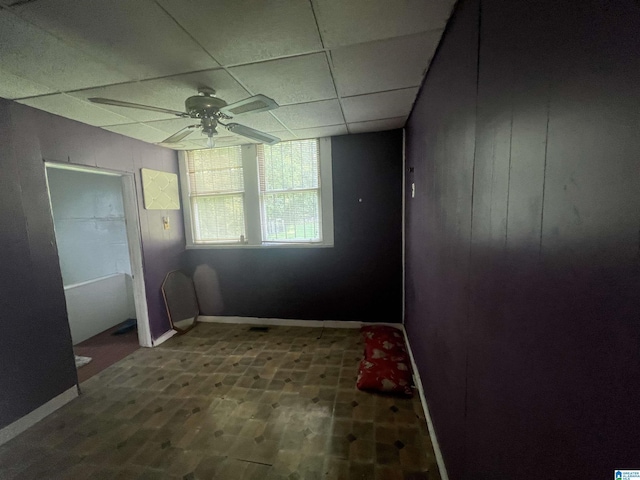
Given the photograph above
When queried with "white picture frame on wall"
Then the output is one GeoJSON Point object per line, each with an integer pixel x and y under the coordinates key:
{"type": "Point", "coordinates": [160, 190]}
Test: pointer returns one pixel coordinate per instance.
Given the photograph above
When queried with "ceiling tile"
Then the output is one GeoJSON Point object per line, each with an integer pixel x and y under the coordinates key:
{"type": "Point", "coordinates": [383, 65]}
{"type": "Point", "coordinates": [170, 92]}
{"type": "Point", "coordinates": [189, 145]}
{"type": "Point", "coordinates": [310, 115]}
{"type": "Point", "coordinates": [244, 31]}
{"type": "Point", "coordinates": [138, 38]}
{"type": "Point", "coordinates": [290, 80]}
{"type": "Point", "coordinates": [70, 107]}
{"type": "Point", "coordinates": [320, 132]}
{"type": "Point", "coordinates": [140, 131]}
{"type": "Point", "coordinates": [284, 135]}
{"type": "Point", "coordinates": [377, 125]}
{"type": "Point", "coordinates": [395, 103]}
{"type": "Point", "coordinates": [70, 50]}
{"type": "Point", "coordinates": [40, 58]}
{"type": "Point", "coordinates": [12, 86]}
{"type": "Point", "coordinates": [358, 21]}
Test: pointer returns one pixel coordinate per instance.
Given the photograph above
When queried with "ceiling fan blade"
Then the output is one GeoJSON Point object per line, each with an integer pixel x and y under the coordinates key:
{"type": "Point", "coordinates": [255, 104]}
{"type": "Point", "coordinates": [118, 103]}
{"type": "Point", "coordinates": [180, 134]}
{"type": "Point", "coordinates": [251, 133]}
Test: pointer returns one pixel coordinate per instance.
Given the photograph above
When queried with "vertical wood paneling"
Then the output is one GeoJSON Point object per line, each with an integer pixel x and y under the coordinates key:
{"type": "Point", "coordinates": [440, 150]}
{"type": "Point", "coordinates": [549, 323]}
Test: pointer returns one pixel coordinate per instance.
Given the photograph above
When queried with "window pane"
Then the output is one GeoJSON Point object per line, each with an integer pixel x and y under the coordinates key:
{"type": "Point", "coordinates": [217, 170]}
{"type": "Point", "coordinates": [218, 218]}
{"type": "Point", "coordinates": [291, 217]}
{"type": "Point", "coordinates": [289, 165]}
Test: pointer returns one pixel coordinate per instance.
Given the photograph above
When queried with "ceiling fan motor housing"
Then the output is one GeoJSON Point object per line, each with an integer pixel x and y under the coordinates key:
{"type": "Point", "coordinates": [203, 106]}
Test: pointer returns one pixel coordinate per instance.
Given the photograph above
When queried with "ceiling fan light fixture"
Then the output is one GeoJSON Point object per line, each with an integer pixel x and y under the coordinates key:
{"type": "Point", "coordinates": [209, 110]}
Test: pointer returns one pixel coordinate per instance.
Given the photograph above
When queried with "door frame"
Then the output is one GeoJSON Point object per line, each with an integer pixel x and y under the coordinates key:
{"type": "Point", "coordinates": [134, 239]}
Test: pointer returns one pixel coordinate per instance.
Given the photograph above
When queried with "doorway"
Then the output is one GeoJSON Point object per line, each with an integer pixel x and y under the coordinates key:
{"type": "Point", "coordinates": [98, 238]}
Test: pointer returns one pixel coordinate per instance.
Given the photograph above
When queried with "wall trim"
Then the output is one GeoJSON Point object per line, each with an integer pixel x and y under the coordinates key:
{"type": "Point", "coordinates": [164, 337]}
{"type": "Point", "coordinates": [425, 408]}
{"type": "Point", "coordinates": [136, 258]}
{"type": "Point", "coordinates": [404, 222]}
{"type": "Point", "coordinates": [30, 419]}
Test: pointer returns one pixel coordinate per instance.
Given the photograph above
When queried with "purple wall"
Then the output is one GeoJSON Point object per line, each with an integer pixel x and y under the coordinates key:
{"type": "Point", "coordinates": [523, 254]}
{"type": "Point", "coordinates": [360, 278]}
{"type": "Point", "coordinates": [32, 301]}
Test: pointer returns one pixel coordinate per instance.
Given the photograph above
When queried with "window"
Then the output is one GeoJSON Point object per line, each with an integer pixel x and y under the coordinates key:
{"type": "Point", "coordinates": [216, 187]}
{"type": "Point", "coordinates": [290, 191]}
{"type": "Point", "coordinates": [258, 195]}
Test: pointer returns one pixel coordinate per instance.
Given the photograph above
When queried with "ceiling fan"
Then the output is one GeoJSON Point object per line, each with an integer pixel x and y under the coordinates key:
{"type": "Point", "coordinates": [210, 110]}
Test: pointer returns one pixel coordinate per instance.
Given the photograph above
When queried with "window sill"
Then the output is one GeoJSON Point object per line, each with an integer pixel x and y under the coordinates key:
{"type": "Point", "coordinates": [212, 246]}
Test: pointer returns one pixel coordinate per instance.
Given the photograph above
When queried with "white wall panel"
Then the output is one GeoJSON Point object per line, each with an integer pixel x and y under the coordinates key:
{"type": "Point", "coordinates": [90, 226]}
{"type": "Point", "coordinates": [98, 305]}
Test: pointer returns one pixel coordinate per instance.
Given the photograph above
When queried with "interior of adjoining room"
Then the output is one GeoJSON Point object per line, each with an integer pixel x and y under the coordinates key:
{"type": "Point", "coordinates": [99, 249]}
{"type": "Point", "coordinates": [465, 173]}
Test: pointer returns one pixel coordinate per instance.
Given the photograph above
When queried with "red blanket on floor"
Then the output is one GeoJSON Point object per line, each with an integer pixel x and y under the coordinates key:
{"type": "Point", "coordinates": [385, 367]}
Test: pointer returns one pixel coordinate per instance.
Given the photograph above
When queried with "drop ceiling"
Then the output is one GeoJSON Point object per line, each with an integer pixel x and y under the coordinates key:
{"type": "Point", "coordinates": [333, 66]}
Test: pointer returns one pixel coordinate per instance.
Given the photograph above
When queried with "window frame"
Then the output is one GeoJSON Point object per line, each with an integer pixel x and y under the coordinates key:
{"type": "Point", "coordinates": [252, 206]}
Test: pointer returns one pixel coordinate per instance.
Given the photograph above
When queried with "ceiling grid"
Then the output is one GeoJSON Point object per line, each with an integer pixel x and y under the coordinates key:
{"type": "Point", "coordinates": [329, 63]}
{"type": "Point", "coordinates": [334, 67]}
{"type": "Point", "coordinates": [225, 68]}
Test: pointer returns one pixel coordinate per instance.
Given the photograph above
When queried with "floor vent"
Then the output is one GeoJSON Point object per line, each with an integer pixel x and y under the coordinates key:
{"type": "Point", "coordinates": [259, 329]}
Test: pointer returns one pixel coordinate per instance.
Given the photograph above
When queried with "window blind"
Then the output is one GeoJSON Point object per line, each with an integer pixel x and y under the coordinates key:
{"type": "Point", "coordinates": [289, 178]}
{"type": "Point", "coordinates": [216, 191]}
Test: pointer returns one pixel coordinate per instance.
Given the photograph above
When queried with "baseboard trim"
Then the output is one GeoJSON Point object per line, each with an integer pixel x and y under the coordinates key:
{"type": "Point", "coordinates": [288, 322]}
{"type": "Point", "coordinates": [282, 322]}
{"type": "Point", "coordinates": [164, 337]}
{"type": "Point", "coordinates": [425, 408]}
{"type": "Point", "coordinates": [30, 419]}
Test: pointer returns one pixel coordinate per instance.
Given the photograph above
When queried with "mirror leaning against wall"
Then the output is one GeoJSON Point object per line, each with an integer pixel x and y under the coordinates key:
{"type": "Point", "coordinates": [180, 300]}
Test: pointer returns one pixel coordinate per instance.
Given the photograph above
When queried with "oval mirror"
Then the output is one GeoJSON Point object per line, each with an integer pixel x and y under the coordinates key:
{"type": "Point", "coordinates": [180, 300]}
